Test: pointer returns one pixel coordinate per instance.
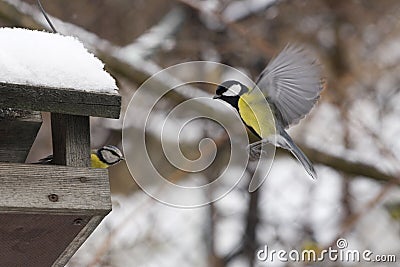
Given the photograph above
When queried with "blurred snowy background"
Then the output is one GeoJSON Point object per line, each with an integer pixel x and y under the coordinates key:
{"type": "Point", "coordinates": [352, 135]}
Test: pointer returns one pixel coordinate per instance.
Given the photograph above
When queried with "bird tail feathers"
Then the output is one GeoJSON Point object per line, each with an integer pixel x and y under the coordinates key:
{"type": "Point", "coordinates": [296, 151]}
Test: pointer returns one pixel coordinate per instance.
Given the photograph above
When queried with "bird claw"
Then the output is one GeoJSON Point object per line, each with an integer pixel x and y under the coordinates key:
{"type": "Point", "coordinates": [255, 150]}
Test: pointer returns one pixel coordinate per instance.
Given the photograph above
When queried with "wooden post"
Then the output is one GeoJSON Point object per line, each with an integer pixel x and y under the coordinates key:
{"type": "Point", "coordinates": [71, 140]}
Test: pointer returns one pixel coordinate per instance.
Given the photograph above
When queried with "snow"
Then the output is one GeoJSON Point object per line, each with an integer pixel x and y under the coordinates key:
{"type": "Point", "coordinates": [52, 60]}
{"type": "Point", "coordinates": [238, 10]}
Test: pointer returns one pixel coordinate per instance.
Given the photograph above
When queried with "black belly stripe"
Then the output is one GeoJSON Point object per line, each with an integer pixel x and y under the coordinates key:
{"type": "Point", "coordinates": [233, 101]}
{"type": "Point", "coordinates": [252, 130]}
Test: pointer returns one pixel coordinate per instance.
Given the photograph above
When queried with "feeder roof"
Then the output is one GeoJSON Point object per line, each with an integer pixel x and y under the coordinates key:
{"type": "Point", "coordinates": [43, 59]}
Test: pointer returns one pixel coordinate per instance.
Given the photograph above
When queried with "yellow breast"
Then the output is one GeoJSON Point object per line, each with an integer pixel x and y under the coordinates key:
{"type": "Point", "coordinates": [256, 113]}
{"type": "Point", "coordinates": [96, 162]}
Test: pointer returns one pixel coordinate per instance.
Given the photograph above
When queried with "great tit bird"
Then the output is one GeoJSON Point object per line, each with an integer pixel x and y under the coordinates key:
{"type": "Point", "coordinates": [291, 85]}
{"type": "Point", "coordinates": [101, 158]}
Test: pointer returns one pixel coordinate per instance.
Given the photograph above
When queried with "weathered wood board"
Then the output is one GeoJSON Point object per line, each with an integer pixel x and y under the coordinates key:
{"type": "Point", "coordinates": [60, 100]}
{"type": "Point", "coordinates": [46, 209]}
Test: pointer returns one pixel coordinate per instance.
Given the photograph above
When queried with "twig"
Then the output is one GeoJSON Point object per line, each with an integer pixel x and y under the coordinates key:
{"type": "Point", "coordinates": [252, 220]}
{"type": "Point", "coordinates": [249, 242]}
{"type": "Point", "coordinates": [46, 17]}
{"type": "Point", "coordinates": [254, 40]}
{"type": "Point", "coordinates": [347, 166]}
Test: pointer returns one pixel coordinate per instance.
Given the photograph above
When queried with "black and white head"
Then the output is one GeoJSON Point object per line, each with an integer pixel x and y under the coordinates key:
{"type": "Point", "coordinates": [110, 154]}
{"type": "Point", "coordinates": [230, 91]}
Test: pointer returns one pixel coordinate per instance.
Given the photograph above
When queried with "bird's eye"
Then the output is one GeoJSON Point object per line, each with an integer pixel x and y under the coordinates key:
{"type": "Point", "coordinates": [220, 90]}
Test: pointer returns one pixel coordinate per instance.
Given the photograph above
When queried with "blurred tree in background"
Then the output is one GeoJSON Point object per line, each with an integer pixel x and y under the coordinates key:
{"type": "Point", "coordinates": [352, 135]}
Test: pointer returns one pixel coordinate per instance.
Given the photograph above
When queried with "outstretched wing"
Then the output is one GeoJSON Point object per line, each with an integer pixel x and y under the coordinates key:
{"type": "Point", "coordinates": [291, 83]}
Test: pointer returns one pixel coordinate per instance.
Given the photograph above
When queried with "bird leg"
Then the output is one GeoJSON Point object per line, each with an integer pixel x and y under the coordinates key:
{"type": "Point", "coordinates": [256, 150]}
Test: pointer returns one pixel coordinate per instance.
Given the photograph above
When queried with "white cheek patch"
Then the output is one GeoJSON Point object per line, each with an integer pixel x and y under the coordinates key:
{"type": "Point", "coordinates": [108, 156]}
{"type": "Point", "coordinates": [234, 90]}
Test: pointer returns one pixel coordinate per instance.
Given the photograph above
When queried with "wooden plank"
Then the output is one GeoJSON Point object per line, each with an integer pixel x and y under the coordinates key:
{"type": "Point", "coordinates": [37, 239]}
{"type": "Point", "coordinates": [71, 140]}
{"type": "Point", "coordinates": [53, 189]}
{"type": "Point", "coordinates": [18, 130]}
{"type": "Point", "coordinates": [78, 241]}
{"type": "Point", "coordinates": [60, 100]}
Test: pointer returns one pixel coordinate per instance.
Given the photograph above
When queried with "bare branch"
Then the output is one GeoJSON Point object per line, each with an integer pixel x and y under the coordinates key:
{"type": "Point", "coordinates": [347, 166]}
{"type": "Point", "coordinates": [253, 40]}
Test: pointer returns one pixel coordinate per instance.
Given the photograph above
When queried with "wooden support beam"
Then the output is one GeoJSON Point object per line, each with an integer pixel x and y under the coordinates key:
{"type": "Point", "coordinates": [78, 241]}
{"type": "Point", "coordinates": [60, 100]}
{"type": "Point", "coordinates": [35, 240]}
{"type": "Point", "coordinates": [71, 140]}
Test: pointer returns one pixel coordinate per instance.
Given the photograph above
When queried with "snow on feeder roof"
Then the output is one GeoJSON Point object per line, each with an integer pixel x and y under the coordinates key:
{"type": "Point", "coordinates": [41, 71]}
{"type": "Point", "coordinates": [39, 58]}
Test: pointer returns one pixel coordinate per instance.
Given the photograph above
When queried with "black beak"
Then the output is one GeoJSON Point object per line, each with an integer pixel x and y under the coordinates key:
{"type": "Point", "coordinates": [216, 97]}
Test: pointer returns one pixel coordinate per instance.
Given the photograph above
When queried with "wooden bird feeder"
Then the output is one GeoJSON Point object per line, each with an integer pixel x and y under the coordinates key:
{"type": "Point", "coordinates": [48, 211]}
